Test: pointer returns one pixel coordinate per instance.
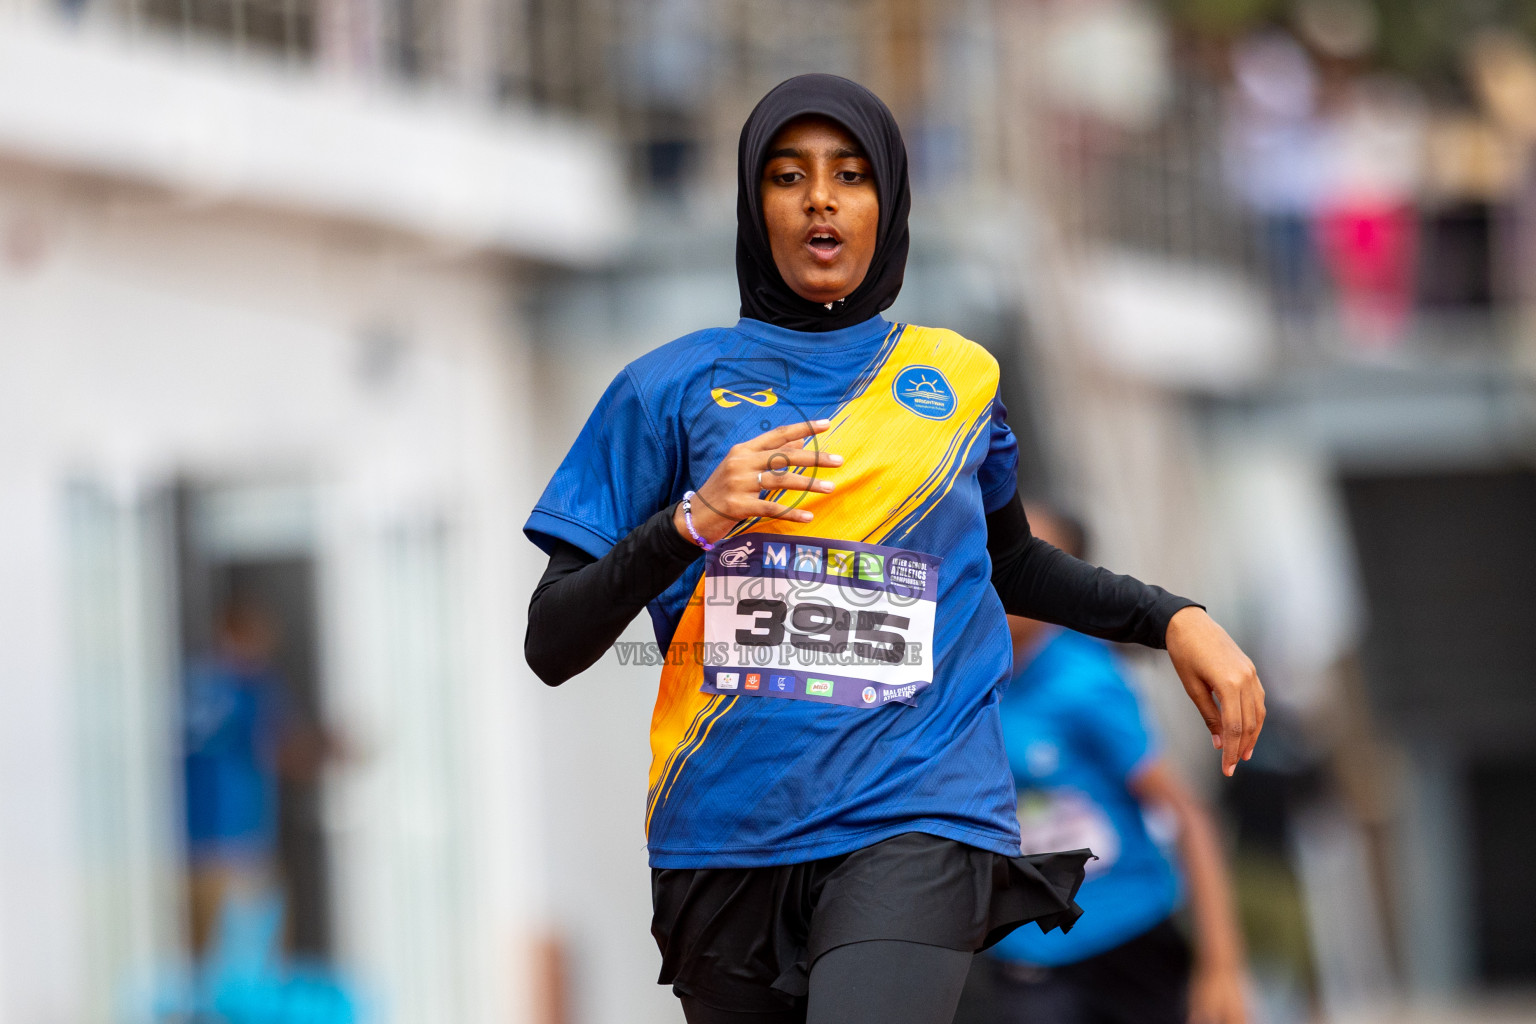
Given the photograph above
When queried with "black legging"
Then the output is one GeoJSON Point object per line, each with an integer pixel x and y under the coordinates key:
{"type": "Point", "coordinates": [881, 981]}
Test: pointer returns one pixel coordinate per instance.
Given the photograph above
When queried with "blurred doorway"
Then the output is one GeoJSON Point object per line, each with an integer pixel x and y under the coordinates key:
{"type": "Point", "coordinates": [251, 547]}
{"type": "Point", "coordinates": [1447, 560]}
{"type": "Point", "coordinates": [1503, 814]}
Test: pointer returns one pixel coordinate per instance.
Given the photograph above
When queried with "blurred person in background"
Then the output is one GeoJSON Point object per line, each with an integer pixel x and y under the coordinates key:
{"type": "Point", "coordinates": [242, 733]}
{"type": "Point", "coordinates": [1276, 162]}
{"type": "Point", "coordinates": [1089, 774]}
{"type": "Point", "coordinates": [1367, 221]}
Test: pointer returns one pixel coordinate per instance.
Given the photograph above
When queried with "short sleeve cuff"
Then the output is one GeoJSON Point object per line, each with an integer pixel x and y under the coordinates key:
{"type": "Point", "coordinates": [672, 542]}
{"type": "Point", "coordinates": [544, 526]}
{"type": "Point", "coordinates": [999, 494]}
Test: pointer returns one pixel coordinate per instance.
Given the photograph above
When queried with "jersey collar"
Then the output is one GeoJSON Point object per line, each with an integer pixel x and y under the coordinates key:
{"type": "Point", "coordinates": [872, 330]}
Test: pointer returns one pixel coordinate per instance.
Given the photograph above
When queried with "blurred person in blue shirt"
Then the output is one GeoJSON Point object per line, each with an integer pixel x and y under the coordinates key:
{"type": "Point", "coordinates": [240, 734]}
{"type": "Point", "coordinates": [1089, 774]}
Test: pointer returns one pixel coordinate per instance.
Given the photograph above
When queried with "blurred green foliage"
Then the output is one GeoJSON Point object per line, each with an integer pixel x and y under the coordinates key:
{"type": "Point", "coordinates": [1223, 17]}
{"type": "Point", "coordinates": [1420, 38]}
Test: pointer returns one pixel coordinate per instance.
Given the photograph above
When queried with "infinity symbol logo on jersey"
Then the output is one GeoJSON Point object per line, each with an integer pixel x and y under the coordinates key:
{"type": "Point", "coordinates": [748, 396]}
{"type": "Point", "coordinates": [925, 391]}
{"type": "Point", "coordinates": [726, 398]}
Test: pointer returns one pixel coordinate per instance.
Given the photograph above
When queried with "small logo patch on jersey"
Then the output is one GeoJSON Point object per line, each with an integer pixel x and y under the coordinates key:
{"type": "Point", "coordinates": [925, 391]}
{"type": "Point", "coordinates": [726, 398]}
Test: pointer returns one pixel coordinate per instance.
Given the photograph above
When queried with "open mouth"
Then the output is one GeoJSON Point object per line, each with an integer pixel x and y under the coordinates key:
{"type": "Point", "coordinates": [824, 245]}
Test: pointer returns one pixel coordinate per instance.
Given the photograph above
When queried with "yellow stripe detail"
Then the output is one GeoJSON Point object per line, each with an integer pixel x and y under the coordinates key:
{"type": "Point", "coordinates": [693, 727]}
{"type": "Point", "coordinates": [678, 701]}
{"type": "Point", "coordinates": [914, 498]}
{"type": "Point", "coordinates": [703, 739]}
{"type": "Point", "coordinates": [976, 433]}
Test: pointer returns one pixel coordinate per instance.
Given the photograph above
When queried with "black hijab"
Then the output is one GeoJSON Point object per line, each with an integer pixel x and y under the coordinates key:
{"type": "Point", "coordinates": [764, 295]}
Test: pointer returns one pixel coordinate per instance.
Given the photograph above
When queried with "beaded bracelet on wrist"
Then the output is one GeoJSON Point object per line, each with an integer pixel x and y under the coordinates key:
{"type": "Point", "coordinates": [688, 521]}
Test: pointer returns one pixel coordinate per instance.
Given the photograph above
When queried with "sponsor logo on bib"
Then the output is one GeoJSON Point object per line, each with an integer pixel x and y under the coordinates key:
{"type": "Point", "coordinates": [818, 687]}
{"type": "Point", "coordinates": [839, 562]}
{"type": "Point", "coordinates": [727, 680]}
{"type": "Point", "coordinates": [909, 572]}
{"type": "Point", "coordinates": [737, 557]}
{"type": "Point", "coordinates": [869, 695]}
{"type": "Point", "coordinates": [807, 558]}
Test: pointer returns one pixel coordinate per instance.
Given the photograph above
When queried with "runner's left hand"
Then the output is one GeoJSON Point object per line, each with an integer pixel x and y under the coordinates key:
{"type": "Point", "coordinates": [1216, 997]}
{"type": "Point", "coordinates": [1222, 682]}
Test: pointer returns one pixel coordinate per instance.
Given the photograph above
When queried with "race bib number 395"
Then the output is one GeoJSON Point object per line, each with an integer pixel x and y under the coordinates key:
{"type": "Point", "coordinates": [831, 621]}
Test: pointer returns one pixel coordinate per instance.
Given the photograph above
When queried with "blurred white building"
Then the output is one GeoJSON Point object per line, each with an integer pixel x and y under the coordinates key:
{"type": "Point", "coordinates": [261, 319]}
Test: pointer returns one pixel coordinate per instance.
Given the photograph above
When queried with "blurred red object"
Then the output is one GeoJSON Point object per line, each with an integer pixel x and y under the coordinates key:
{"type": "Point", "coordinates": [1370, 250]}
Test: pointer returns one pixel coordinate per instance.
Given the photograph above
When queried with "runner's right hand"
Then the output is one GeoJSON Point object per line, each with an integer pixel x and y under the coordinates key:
{"type": "Point", "coordinates": [1221, 680]}
{"type": "Point", "coordinates": [732, 492]}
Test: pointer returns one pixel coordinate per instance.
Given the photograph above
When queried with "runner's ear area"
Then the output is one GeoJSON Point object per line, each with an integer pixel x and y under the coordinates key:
{"type": "Point", "coordinates": [764, 295]}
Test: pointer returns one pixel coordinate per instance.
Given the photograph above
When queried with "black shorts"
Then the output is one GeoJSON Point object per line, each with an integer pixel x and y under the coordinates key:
{"type": "Point", "coordinates": [744, 939]}
{"type": "Point", "coordinates": [1142, 981]}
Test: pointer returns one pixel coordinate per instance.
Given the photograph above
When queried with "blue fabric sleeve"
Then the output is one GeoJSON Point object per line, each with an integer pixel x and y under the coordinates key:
{"type": "Point", "coordinates": [617, 474]}
{"type": "Point", "coordinates": [1110, 723]}
{"type": "Point", "coordinates": [998, 474]}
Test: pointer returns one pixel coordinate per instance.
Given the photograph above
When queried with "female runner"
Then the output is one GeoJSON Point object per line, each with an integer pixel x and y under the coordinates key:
{"type": "Point", "coordinates": [819, 509]}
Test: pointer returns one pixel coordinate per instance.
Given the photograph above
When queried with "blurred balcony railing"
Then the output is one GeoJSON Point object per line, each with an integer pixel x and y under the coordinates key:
{"type": "Point", "coordinates": [669, 78]}
{"type": "Point", "coordinates": [1159, 191]}
{"type": "Point", "coordinates": [1165, 192]}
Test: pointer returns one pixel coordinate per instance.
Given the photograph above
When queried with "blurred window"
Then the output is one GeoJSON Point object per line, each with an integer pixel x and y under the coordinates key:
{"type": "Point", "coordinates": [1447, 561]}
{"type": "Point", "coordinates": [282, 27]}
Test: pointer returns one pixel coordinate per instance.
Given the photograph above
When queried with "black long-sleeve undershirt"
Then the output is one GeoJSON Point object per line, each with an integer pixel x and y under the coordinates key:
{"type": "Point", "coordinates": [581, 605]}
{"type": "Point", "coordinates": [1040, 581]}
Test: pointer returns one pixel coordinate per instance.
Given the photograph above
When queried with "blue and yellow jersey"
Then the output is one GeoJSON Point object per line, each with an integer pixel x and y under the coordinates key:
{"type": "Point", "coordinates": [738, 780]}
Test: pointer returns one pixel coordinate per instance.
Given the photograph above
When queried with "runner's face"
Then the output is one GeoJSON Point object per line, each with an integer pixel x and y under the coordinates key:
{"type": "Point", "coordinates": [820, 208]}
